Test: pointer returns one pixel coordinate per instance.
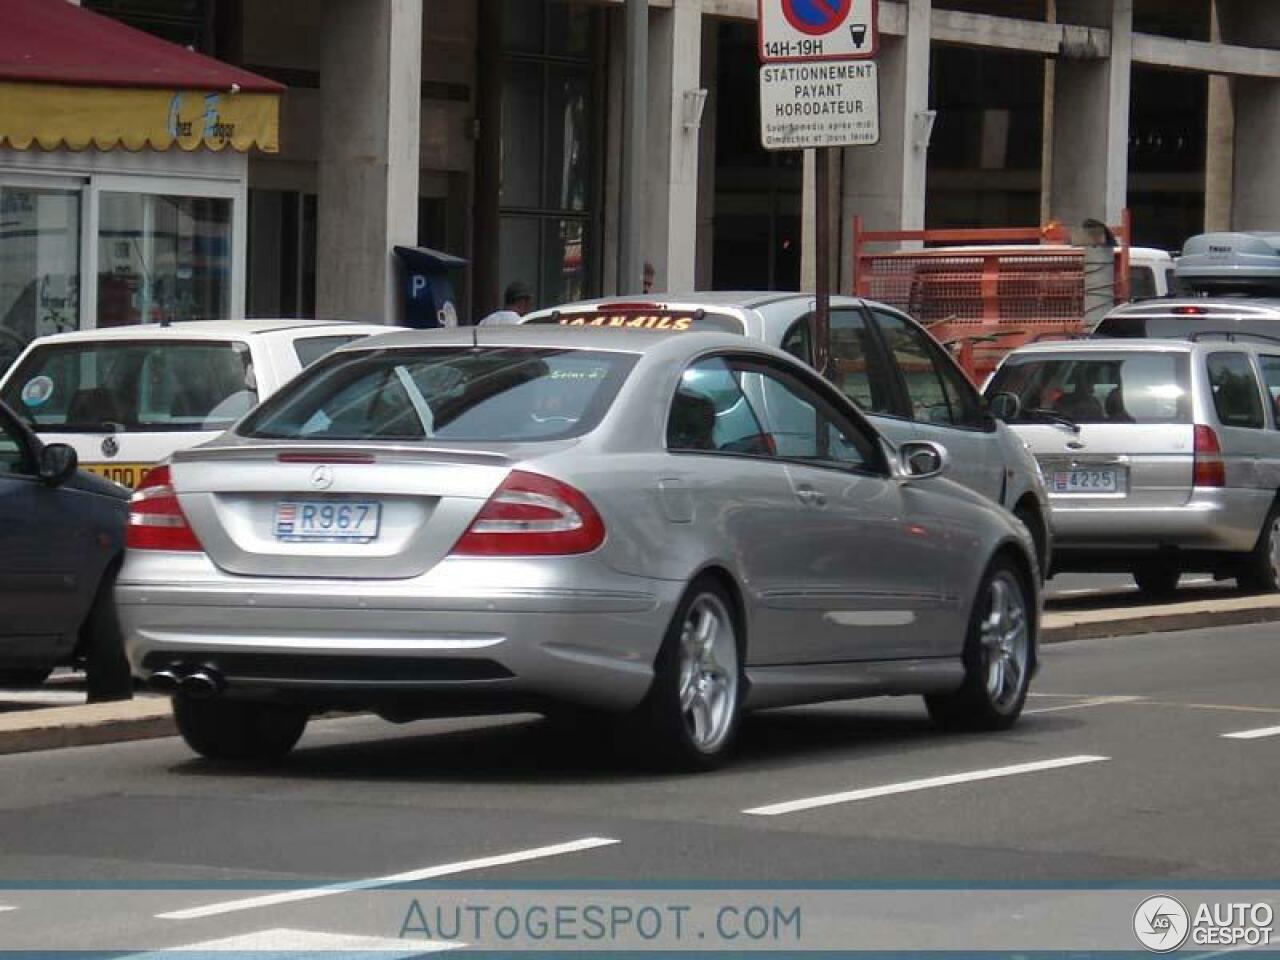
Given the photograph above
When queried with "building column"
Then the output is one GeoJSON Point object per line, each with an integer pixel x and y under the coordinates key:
{"type": "Point", "coordinates": [675, 77]}
{"type": "Point", "coordinates": [885, 184]}
{"type": "Point", "coordinates": [1255, 203]}
{"type": "Point", "coordinates": [370, 93]}
{"type": "Point", "coordinates": [1090, 175]}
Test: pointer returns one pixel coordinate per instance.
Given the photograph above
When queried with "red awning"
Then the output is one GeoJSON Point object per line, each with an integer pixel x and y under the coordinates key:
{"type": "Point", "coordinates": [53, 41]}
{"type": "Point", "coordinates": [72, 78]}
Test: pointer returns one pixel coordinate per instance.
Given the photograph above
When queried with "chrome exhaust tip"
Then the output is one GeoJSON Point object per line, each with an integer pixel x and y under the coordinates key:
{"type": "Point", "coordinates": [163, 681]}
{"type": "Point", "coordinates": [201, 685]}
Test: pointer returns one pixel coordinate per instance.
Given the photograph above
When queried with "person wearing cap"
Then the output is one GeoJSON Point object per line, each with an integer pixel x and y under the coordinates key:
{"type": "Point", "coordinates": [517, 301]}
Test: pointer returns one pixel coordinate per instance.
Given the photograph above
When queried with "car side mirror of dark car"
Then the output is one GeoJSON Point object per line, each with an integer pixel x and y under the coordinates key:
{"type": "Point", "coordinates": [922, 460]}
{"type": "Point", "coordinates": [1004, 406]}
{"type": "Point", "coordinates": [57, 463]}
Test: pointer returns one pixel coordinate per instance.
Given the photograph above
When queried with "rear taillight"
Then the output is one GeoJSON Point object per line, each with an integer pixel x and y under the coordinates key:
{"type": "Point", "coordinates": [532, 515]}
{"type": "Point", "coordinates": [1209, 470]}
{"type": "Point", "coordinates": [156, 520]}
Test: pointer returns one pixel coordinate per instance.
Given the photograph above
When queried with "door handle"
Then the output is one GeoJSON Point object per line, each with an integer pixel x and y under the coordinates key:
{"type": "Point", "coordinates": [810, 497]}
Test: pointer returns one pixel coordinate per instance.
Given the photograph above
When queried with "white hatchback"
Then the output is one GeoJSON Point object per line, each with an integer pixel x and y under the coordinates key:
{"type": "Point", "coordinates": [128, 397]}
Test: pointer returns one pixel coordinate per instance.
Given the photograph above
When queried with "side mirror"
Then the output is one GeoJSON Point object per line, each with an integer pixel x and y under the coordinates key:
{"type": "Point", "coordinates": [922, 460]}
{"type": "Point", "coordinates": [1004, 406]}
{"type": "Point", "coordinates": [57, 463]}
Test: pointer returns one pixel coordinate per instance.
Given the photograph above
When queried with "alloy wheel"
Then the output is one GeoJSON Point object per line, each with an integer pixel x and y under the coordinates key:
{"type": "Point", "coordinates": [1004, 639]}
{"type": "Point", "coordinates": [708, 679]}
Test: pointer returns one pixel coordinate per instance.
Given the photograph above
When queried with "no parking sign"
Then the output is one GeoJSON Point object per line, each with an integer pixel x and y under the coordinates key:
{"type": "Point", "coordinates": [818, 30]}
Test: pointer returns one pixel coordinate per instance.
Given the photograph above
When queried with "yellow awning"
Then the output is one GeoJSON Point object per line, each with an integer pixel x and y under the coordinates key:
{"type": "Point", "coordinates": [78, 117]}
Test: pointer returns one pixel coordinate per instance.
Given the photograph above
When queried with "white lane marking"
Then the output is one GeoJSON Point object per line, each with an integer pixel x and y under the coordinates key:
{"type": "Point", "coordinates": [910, 786]}
{"type": "Point", "coordinates": [311, 941]}
{"type": "Point", "coordinates": [1092, 702]}
{"type": "Point", "coordinates": [409, 876]}
{"type": "Point", "coordinates": [1256, 734]}
{"type": "Point", "coordinates": [7, 909]}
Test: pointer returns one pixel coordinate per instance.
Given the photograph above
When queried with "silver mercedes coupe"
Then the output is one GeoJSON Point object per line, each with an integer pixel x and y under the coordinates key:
{"type": "Point", "coordinates": [666, 530]}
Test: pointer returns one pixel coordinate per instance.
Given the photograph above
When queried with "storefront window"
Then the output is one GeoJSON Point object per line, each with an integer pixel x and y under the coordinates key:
{"type": "Point", "coordinates": [39, 265]}
{"type": "Point", "coordinates": [163, 259]}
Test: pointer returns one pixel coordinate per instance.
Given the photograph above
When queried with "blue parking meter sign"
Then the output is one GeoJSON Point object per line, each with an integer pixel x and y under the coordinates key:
{"type": "Point", "coordinates": [429, 297]}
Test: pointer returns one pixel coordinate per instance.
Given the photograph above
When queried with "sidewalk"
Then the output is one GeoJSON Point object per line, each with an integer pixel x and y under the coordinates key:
{"type": "Point", "coordinates": [49, 728]}
{"type": "Point", "coordinates": [1060, 626]}
{"type": "Point", "coordinates": [148, 716]}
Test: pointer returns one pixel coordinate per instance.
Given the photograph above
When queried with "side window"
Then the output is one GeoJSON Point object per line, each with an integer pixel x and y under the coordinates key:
{"type": "Point", "coordinates": [796, 342]}
{"type": "Point", "coordinates": [310, 349]}
{"type": "Point", "coordinates": [13, 454]}
{"type": "Point", "coordinates": [858, 368]}
{"type": "Point", "coordinates": [1142, 283]}
{"type": "Point", "coordinates": [1235, 390]}
{"type": "Point", "coordinates": [801, 425]}
{"type": "Point", "coordinates": [910, 350]}
{"type": "Point", "coordinates": [710, 412]}
{"type": "Point", "coordinates": [1271, 377]}
{"type": "Point", "coordinates": [966, 408]}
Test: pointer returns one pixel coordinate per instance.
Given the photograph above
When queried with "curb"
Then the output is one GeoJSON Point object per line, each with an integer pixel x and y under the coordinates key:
{"type": "Point", "coordinates": [52, 728]}
{"type": "Point", "coordinates": [1057, 627]}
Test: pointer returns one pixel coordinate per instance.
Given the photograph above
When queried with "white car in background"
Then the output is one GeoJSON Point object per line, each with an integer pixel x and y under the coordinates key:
{"type": "Point", "coordinates": [128, 397]}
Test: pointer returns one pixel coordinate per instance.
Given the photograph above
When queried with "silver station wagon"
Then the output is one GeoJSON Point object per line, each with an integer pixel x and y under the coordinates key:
{"type": "Point", "coordinates": [1160, 456]}
{"type": "Point", "coordinates": [671, 529]}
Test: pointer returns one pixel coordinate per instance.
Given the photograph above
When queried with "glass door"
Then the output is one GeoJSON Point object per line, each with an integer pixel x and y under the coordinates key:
{"type": "Point", "coordinates": [40, 237]}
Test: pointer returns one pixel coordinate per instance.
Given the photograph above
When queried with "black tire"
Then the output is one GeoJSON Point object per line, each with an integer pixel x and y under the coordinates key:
{"type": "Point", "coordinates": [1157, 579]}
{"type": "Point", "coordinates": [109, 676]}
{"type": "Point", "coordinates": [661, 725]}
{"type": "Point", "coordinates": [1261, 572]}
{"type": "Point", "coordinates": [24, 676]}
{"type": "Point", "coordinates": [975, 706]}
{"type": "Point", "coordinates": [222, 729]}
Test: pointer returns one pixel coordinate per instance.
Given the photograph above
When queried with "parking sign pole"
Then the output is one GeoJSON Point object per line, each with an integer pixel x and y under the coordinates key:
{"type": "Point", "coordinates": [822, 244]}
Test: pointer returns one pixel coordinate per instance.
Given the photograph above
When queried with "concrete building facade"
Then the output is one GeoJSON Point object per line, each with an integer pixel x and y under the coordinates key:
{"type": "Point", "coordinates": [494, 130]}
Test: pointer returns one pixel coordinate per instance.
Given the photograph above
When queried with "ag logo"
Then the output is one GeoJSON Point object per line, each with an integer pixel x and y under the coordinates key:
{"type": "Point", "coordinates": [110, 447]}
{"type": "Point", "coordinates": [1161, 924]}
{"type": "Point", "coordinates": [322, 477]}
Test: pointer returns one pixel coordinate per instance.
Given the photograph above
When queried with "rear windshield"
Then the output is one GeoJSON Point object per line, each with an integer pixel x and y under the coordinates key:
{"type": "Point", "coordinates": [1098, 388]}
{"type": "Point", "coordinates": [489, 394]}
{"type": "Point", "coordinates": [1170, 327]}
{"type": "Point", "coordinates": [133, 385]}
{"type": "Point", "coordinates": [675, 322]}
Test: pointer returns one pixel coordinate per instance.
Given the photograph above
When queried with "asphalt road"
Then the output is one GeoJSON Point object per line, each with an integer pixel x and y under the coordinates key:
{"type": "Point", "coordinates": [1122, 773]}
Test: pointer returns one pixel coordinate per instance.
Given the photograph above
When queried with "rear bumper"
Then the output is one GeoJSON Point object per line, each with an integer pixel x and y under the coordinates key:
{"type": "Point", "coordinates": [483, 630]}
{"type": "Point", "coordinates": [1212, 521]}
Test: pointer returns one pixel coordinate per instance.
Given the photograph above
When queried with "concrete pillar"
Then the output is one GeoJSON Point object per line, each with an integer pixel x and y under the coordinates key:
{"type": "Point", "coordinates": [1255, 203]}
{"type": "Point", "coordinates": [1090, 169]}
{"type": "Point", "coordinates": [886, 183]}
{"type": "Point", "coordinates": [1220, 123]}
{"type": "Point", "coordinates": [675, 77]}
{"type": "Point", "coordinates": [370, 91]}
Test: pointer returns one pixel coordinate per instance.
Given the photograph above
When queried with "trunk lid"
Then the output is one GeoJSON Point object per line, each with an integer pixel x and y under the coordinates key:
{"type": "Point", "coordinates": [376, 512]}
